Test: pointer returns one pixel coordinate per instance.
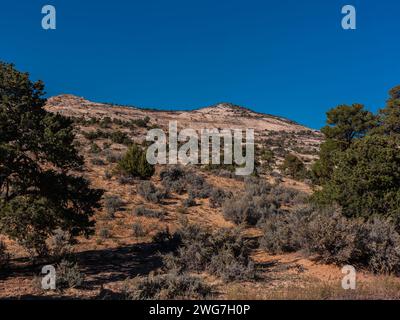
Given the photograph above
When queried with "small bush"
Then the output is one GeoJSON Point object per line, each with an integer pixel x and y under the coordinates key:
{"type": "Point", "coordinates": [218, 197]}
{"type": "Point", "coordinates": [167, 287]}
{"type": "Point", "coordinates": [174, 179]}
{"type": "Point", "coordinates": [120, 138]}
{"type": "Point", "coordinates": [94, 148]}
{"type": "Point", "coordinates": [134, 163]}
{"type": "Point", "coordinates": [149, 192]}
{"type": "Point", "coordinates": [104, 233]}
{"type": "Point", "coordinates": [112, 204]}
{"type": "Point", "coordinates": [189, 201]}
{"type": "Point", "coordinates": [112, 157]}
{"type": "Point", "coordinates": [282, 233]}
{"type": "Point", "coordinates": [68, 275]}
{"type": "Point", "coordinates": [144, 212]}
{"type": "Point", "coordinates": [138, 230]}
{"type": "Point", "coordinates": [97, 162]}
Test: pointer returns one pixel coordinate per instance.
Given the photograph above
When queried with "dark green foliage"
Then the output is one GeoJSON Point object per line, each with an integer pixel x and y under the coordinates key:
{"type": "Point", "coordinates": [120, 137]}
{"type": "Point", "coordinates": [367, 179]}
{"type": "Point", "coordinates": [36, 155]}
{"type": "Point", "coordinates": [167, 287]}
{"type": "Point", "coordinates": [389, 117]}
{"type": "Point", "coordinates": [294, 167]}
{"type": "Point", "coordinates": [149, 192]}
{"type": "Point", "coordinates": [134, 163]}
{"type": "Point", "coordinates": [344, 125]}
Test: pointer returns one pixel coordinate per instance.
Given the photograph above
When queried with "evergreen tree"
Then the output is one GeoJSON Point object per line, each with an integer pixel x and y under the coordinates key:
{"type": "Point", "coordinates": [38, 190]}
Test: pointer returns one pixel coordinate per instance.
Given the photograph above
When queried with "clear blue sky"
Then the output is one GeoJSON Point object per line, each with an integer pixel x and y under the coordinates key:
{"type": "Point", "coordinates": [286, 57]}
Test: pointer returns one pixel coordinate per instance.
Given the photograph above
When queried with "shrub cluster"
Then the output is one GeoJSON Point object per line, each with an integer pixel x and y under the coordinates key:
{"type": "Point", "coordinates": [224, 253]}
{"type": "Point", "coordinates": [145, 212]}
{"type": "Point", "coordinates": [254, 204]}
{"type": "Point", "coordinates": [166, 287]}
{"type": "Point", "coordinates": [150, 192]}
{"type": "Point", "coordinates": [112, 204]}
{"type": "Point", "coordinates": [333, 238]}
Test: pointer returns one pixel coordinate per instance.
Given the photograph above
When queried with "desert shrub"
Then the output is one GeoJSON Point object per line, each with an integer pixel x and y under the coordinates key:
{"type": "Point", "coordinates": [332, 238]}
{"type": "Point", "coordinates": [199, 188]}
{"type": "Point", "coordinates": [120, 137]}
{"type": "Point", "coordinates": [380, 247]}
{"type": "Point", "coordinates": [141, 122]}
{"type": "Point", "coordinates": [125, 179]}
{"type": "Point", "coordinates": [112, 204]}
{"type": "Point", "coordinates": [108, 175]}
{"type": "Point", "coordinates": [167, 241]}
{"type": "Point", "coordinates": [150, 192]}
{"type": "Point", "coordinates": [104, 233]}
{"type": "Point", "coordinates": [287, 196]}
{"type": "Point", "coordinates": [138, 230]}
{"type": "Point", "coordinates": [218, 197]}
{"type": "Point", "coordinates": [282, 233]}
{"type": "Point", "coordinates": [112, 157]}
{"type": "Point", "coordinates": [166, 287]}
{"type": "Point", "coordinates": [134, 163]}
{"type": "Point", "coordinates": [94, 148]}
{"type": "Point", "coordinates": [247, 209]}
{"type": "Point", "coordinates": [97, 162]}
{"type": "Point", "coordinates": [174, 179]}
{"type": "Point", "coordinates": [68, 275]}
{"type": "Point", "coordinates": [145, 212]}
{"type": "Point", "coordinates": [223, 253]}
{"type": "Point", "coordinates": [294, 167]}
{"type": "Point", "coordinates": [190, 201]}
{"type": "Point", "coordinates": [60, 244]}
{"type": "Point", "coordinates": [4, 256]}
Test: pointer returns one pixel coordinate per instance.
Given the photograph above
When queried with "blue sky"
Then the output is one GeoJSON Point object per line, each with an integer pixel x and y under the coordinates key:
{"type": "Point", "coordinates": [289, 58]}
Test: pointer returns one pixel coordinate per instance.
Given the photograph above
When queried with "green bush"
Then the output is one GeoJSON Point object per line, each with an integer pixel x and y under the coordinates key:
{"type": "Point", "coordinates": [134, 163]}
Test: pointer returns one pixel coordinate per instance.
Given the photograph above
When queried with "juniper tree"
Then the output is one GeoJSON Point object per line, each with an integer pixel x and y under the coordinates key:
{"type": "Point", "coordinates": [39, 191]}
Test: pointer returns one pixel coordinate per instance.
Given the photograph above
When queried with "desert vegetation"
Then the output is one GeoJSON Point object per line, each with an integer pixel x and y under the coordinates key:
{"type": "Point", "coordinates": [77, 192]}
